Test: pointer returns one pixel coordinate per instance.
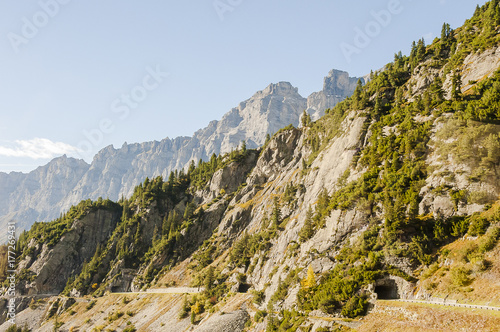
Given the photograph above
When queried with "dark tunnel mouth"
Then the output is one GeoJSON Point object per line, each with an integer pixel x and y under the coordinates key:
{"type": "Point", "coordinates": [385, 292]}
{"type": "Point", "coordinates": [243, 288]}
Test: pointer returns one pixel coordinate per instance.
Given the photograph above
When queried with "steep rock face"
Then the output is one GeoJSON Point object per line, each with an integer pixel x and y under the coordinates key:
{"type": "Point", "coordinates": [336, 87]}
{"type": "Point", "coordinates": [228, 178]}
{"type": "Point", "coordinates": [53, 266]}
{"type": "Point", "coordinates": [459, 182]}
{"type": "Point", "coordinates": [39, 195]}
{"type": "Point", "coordinates": [115, 172]}
{"type": "Point", "coordinates": [476, 67]}
{"type": "Point", "coordinates": [281, 164]}
{"type": "Point", "coordinates": [266, 112]}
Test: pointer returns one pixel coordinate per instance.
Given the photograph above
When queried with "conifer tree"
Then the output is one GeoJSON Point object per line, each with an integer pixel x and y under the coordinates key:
{"type": "Point", "coordinates": [477, 12]}
{"type": "Point", "coordinates": [172, 224]}
{"type": "Point", "coordinates": [420, 50]}
{"type": "Point", "coordinates": [209, 279]}
{"type": "Point", "coordinates": [268, 138]}
{"type": "Point", "coordinates": [456, 87]}
{"type": "Point", "coordinates": [191, 168]}
{"type": "Point", "coordinates": [165, 227]}
{"type": "Point", "coordinates": [276, 215]}
{"type": "Point", "coordinates": [156, 235]}
{"type": "Point", "coordinates": [305, 119]}
{"type": "Point", "coordinates": [307, 231]}
{"type": "Point", "coordinates": [243, 147]}
{"type": "Point", "coordinates": [213, 162]}
{"type": "Point", "coordinates": [189, 210]}
{"type": "Point", "coordinates": [356, 97]}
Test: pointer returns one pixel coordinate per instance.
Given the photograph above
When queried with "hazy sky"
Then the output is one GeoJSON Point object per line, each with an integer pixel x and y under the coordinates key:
{"type": "Point", "coordinates": [76, 76]}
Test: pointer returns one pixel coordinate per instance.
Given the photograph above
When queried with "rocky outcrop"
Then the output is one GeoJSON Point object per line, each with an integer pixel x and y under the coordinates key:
{"type": "Point", "coordinates": [453, 186]}
{"type": "Point", "coordinates": [227, 322]}
{"type": "Point", "coordinates": [476, 67]}
{"type": "Point", "coordinates": [52, 266]}
{"type": "Point", "coordinates": [336, 87]}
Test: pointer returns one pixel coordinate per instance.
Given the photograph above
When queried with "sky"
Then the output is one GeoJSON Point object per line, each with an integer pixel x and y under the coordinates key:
{"type": "Point", "coordinates": [76, 76]}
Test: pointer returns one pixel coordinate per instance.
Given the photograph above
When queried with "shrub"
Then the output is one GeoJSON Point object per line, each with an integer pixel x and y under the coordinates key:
{"type": "Point", "coordinates": [15, 328]}
{"type": "Point", "coordinates": [460, 276]}
{"type": "Point", "coordinates": [258, 296]}
{"type": "Point", "coordinates": [131, 328]}
{"type": "Point", "coordinates": [241, 278]}
{"type": "Point", "coordinates": [490, 239]}
{"type": "Point", "coordinates": [185, 308]}
{"type": "Point", "coordinates": [478, 225]}
{"type": "Point", "coordinates": [91, 304]}
{"type": "Point", "coordinates": [259, 316]}
{"type": "Point", "coordinates": [354, 307]}
{"type": "Point", "coordinates": [480, 197]}
{"type": "Point", "coordinates": [114, 316]}
{"type": "Point", "coordinates": [198, 308]}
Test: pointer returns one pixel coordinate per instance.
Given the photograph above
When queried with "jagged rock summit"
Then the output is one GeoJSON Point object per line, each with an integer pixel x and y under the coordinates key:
{"type": "Point", "coordinates": [336, 87]}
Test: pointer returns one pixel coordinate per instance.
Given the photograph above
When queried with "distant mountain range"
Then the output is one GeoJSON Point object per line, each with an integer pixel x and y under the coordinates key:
{"type": "Point", "coordinates": [46, 192]}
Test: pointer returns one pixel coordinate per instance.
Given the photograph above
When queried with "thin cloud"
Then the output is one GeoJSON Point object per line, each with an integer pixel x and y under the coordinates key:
{"type": "Point", "coordinates": [37, 148]}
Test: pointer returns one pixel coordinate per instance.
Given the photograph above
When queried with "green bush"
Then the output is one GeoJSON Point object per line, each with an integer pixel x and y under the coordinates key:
{"type": "Point", "coordinates": [91, 304]}
{"type": "Point", "coordinates": [490, 239]}
{"type": "Point", "coordinates": [290, 321]}
{"type": "Point", "coordinates": [258, 296]}
{"type": "Point", "coordinates": [478, 225]}
{"type": "Point", "coordinates": [354, 307]}
{"type": "Point", "coordinates": [259, 316]}
{"type": "Point", "coordinates": [460, 276]}
{"type": "Point", "coordinates": [131, 328]}
{"type": "Point", "coordinates": [15, 328]}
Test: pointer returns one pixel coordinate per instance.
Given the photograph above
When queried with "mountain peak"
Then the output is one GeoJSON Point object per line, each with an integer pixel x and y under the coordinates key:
{"type": "Point", "coordinates": [338, 83]}
{"type": "Point", "coordinates": [280, 88]}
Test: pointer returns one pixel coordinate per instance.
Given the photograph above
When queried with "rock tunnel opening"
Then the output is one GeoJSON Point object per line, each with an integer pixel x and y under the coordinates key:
{"type": "Point", "coordinates": [115, 289]}
{"type": "Point", "coordinates": [387, 291]}
{"type": "Point", "coordinates": [243, 288]}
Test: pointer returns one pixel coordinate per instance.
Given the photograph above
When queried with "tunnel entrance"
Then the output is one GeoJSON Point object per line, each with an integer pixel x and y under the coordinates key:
{"type": "Point", "coordinates": [115, 289]}
{"type": "Point", "coordinates": [387, 290]}
{"type": "Point", "coordinates": [243, 288]}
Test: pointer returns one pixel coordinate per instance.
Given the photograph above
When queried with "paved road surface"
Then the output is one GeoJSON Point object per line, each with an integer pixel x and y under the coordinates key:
{"type": "Point", "coordinates": [451, 303]}
{"type": "Point", "coordinates": [169, 290]}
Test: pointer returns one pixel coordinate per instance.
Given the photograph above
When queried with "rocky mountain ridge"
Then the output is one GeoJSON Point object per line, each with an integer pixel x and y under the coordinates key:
{"type": "Point", "coordinates": [50, 190]}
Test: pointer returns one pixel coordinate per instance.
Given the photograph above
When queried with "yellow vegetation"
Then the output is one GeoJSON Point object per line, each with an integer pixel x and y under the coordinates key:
{"type": "Point", "coordinates": [310, 280]}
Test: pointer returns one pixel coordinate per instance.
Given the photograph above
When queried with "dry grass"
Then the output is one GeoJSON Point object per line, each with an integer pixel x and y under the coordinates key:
{"type": "Point", "coordinates": [484, 285]}
{"type": "Point", "coordinates": [179, 274]}
{"type": "Point", "coordinates": [401, 316]}
{"type": "Point", "coordinates": [144, 309]}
